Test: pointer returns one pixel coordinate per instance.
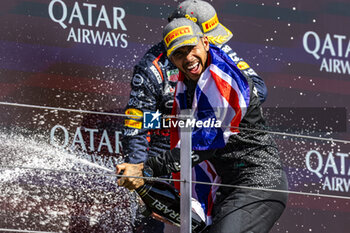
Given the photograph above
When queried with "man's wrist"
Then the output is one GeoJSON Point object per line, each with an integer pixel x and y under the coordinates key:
{"type": "Point", "coordinates": [147, 171]}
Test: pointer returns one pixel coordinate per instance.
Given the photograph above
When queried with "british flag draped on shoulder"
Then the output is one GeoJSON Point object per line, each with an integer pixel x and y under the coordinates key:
{"type": "Point", "coordinates": [222, 94]}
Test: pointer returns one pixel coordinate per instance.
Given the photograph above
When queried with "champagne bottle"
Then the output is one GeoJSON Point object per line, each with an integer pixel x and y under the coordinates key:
{"type": "Point", "coordinates": [163, 199]}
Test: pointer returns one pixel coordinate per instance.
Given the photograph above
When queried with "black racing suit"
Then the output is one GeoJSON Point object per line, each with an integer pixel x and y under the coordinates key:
{"type": "Point", "coordinates": [152, 88]}
{"type": "Point", "coordinates": [249, 159]}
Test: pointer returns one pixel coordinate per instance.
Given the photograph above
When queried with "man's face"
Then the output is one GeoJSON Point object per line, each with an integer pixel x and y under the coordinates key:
{"type": "Point", "coordinates": [191, 60]}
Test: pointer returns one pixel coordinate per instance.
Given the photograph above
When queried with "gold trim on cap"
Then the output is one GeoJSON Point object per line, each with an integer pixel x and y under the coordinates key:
{"type": "Point", "coordinates": [220, 39]}
{"type": "Point", "coordinates": [191, 41]}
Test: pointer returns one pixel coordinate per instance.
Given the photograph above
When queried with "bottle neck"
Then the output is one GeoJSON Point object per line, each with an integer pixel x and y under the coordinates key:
{"type": "Point", "coordinates": [144, 189]}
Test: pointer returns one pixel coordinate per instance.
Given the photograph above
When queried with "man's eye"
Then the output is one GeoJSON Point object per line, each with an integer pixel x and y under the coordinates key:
{"type": "Point", "coordinates": [177, 54]}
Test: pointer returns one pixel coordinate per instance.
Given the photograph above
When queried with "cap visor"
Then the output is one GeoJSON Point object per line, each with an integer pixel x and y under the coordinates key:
{"type": "Point", "coordinates": [186, 41]}
{"type": "Point", "coordinates": [220, 35]}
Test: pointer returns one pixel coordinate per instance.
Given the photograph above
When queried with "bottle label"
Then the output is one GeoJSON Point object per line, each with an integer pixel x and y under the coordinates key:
{"type": "Point", "coordinates": [167, 212]}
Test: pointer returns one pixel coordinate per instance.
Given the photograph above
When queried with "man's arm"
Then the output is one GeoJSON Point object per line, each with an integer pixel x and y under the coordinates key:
{"type": "Point", "coordinates": [161, 165]}
{"type": "Point", "coordinates": [169, 161]}
{"type": "Point", "coordinates": [143, 97]}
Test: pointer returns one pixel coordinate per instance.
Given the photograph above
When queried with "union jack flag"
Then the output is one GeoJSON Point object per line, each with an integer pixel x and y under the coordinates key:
{"type": "Point", "coordinates": [222, 93]}
{"type": "Point", "coordinates": [203, 193]}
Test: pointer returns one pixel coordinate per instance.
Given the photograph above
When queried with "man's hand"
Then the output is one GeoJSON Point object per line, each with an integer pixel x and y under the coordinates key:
{"type": "Point", "coordinates": [130, 170]}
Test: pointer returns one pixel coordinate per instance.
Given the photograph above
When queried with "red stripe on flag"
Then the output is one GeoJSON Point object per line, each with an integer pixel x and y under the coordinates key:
{"type": "Point", "coordinates": [210, 170]}
{"type": "Point", "coordinates": [231, 97]}
{"type": "Point", "coordinates": [210, 196]}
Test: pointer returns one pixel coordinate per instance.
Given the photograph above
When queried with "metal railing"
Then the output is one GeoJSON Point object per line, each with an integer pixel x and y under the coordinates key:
{"type": "Point", "coordinates": [186, 168]}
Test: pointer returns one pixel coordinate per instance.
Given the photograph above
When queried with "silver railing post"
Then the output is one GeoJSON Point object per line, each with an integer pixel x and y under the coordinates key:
{"type": "Point", "coordinates": [186, 174]}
